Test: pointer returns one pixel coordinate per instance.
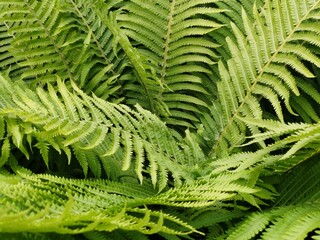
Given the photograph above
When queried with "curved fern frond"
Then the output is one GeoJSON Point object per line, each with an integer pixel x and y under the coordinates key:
{"type": "Point", "coordinates": [231, 15]}
{"type": "Point", "coordinates": [102, 205]}
{"type": "Point", "coordinates": [290, 222]}
{"type": "Point", "coordinates": [295, 214]}
{"type": "Point", "coordinates": [104, 61]}
{"type": "Point", "coordinates": [98, 133]}
{"type": "Point", "coordinates": [172, 41]}
{"type": "Point", "coordinates": [85, 206]}
{"type": "Point", "coordinates": [54, 37]}
{"type": "Point", "coordinates": [289, 145]}
{"type": "Point", "coordinates": [40, 38]}
{"type": "Point", "coordinates": [295, 136]}
{"type": "Point", "coordinates": [257, 69]}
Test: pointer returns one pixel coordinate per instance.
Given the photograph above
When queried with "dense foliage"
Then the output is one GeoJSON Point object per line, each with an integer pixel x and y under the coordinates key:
{"type": "Point", "coordinates": [159, 119]}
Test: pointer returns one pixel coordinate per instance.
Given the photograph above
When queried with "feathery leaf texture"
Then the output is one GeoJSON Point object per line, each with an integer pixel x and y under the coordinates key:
{"type": "Point", "coordinates": [99, 133]}
{"type": "Point", "coordinates": [262, 67]}
{"type": "Point", "coordinates": [172, 35]}
{"type": "Point", "coordinates": [41, 40]}
{"type": "Point", "coordinates": [159, 119]}
{"type": "Point", "coordinates": [287, 222]}
{"type": "Point", "coordinates": [78, 206]}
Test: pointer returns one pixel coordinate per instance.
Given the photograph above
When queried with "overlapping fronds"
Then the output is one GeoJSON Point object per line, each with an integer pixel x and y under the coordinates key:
{"type": "Point", "coordinates": [97, 133]}
{"type": "Point", "coordinates": [76, 206]}
{"type": "Point", "coordinates": [172, 42]}
{"type": "Point", "coordinates": [40, 39]}
{"type": "Point", "coordinates": [231, 15]}
{"type": "Point", "coordinates": [104, 61]}
{"type": "Point", "coordinates": [288, 145]}
{"type": "Point", "coordinates": [289, 222]}
{"type": "Point", "coordinates": [295, 136]}
{"type": "Point", "coordinates": [159, 119]}
{"type": "Point", "coordinates": [63, 206]}
{"type": "Point", "coordinates": [264, 60]}
{"type": "Point", "coordinates": [295, 214]}
{"type": "Point", "coordinates": [43, 38]}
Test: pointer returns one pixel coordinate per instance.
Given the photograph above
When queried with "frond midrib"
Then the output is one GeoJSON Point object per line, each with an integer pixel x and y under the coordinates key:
{"type": "Point", "coordinates": [107, 61]}
{"type": "Point", "coordinates": [61, 55]}
{"type": "Point", "coordinates": [167, 42]}
{"type": "Point", "coordinates": [131, 53]}
{"type": "Point", "coordinates": [223, 132]}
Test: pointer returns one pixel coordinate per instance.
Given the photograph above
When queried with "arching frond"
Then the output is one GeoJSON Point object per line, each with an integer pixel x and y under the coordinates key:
{"type": "Point", "coordinates": [85, 206]}
{"type": "Point", "coordinates": [258, 68]}
{"type": "Point", "coordinates": [295, 214]}
{"type": "Point", "coordinates": [79, 206]}
{"type": "Point", "coordinates": [54, 37]}
{"type": "Point", "coordinates": [295, 136]}
{"type": "Point", "coordinates": [159, 119]}
{"type": "Point", "coordinates": [171, 37]}
{"type": "Point", "coordinates": [291, 222]}
{"type": "Point", "coordinates": [100, 134]}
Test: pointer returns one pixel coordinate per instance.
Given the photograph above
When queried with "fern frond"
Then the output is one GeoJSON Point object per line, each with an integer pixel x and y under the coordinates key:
{"type": "Point", "coordinates": [294, 191]}
{"type": "Point", "coordinates": [257, 69]}
{"type": "Point", "coordinates": [305, 221]}
{"type": "Point", "coordinates": [62, 38]}
{"type": "Point", "coordinates": [81, 209]}
{"type": "Point", "coordinates": [104, 62]}
{"type": "Point", "coordinates": [299, 136]}
{"type": "Point", "coordinates": [287, 222]}
{"type": "Point", "coordinates": [232, 14]}
{"type": "Point", "coordinates": [36, 34]}
{"type": "Point", "coordinates": [252, 226]}
{"type": "Point", "coordinates": [102, 205]}
{"type": "Point", "coordinates": [172, 36]}
{"type": "Point", "coordinates": [6, 58]}
{"type": "Point", "coordinates": [289, 145]}
{"type": "Point", "coordinates": [108, 133]}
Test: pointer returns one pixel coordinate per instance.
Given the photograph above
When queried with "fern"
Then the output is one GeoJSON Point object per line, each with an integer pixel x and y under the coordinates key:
{"type": "Point", "coordinates": [173, 44]}
{"type": "Point", "coordinates": [171, 119]}
{"type": "Point", "coordinates": [55, 43]}
{"type": "Point", "coordinates": [293, 222]}
{"type": "Point", "coordinates": [35, 32]}
{"type": "Point", "coordinates": [102, 135]}
{"type": "Point", "coordinates": [99, 204]}
{"type": "Point", "coordinates": [261, 67]}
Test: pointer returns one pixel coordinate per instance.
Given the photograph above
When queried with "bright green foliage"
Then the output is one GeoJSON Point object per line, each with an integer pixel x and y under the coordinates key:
{"type": "Point", "coordinates": [99, 134]}
{"type": "Point", "coordinates": [263, 58]}
{"type": "Point", "coordinates": [173, 43]}
{"type": "Point", "coordinates": [163, 119]}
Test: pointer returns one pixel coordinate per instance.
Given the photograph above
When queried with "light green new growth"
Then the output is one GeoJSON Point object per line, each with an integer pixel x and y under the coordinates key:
{"type": "Point", "coordinates": [159, 119]}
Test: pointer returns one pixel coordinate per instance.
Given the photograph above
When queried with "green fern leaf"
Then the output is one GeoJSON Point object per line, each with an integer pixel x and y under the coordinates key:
{"type": "Point", "coordinates": [174, 42]}
{"type": "Point", "coordinates": [107, 133]}
{"type": "Point", "coordinates": [5, 152]}
{"type": "Point", "coordinates": [255, 60]}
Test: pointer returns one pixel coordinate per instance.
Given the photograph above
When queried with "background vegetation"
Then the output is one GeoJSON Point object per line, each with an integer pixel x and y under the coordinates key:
{"type": "Point", "coordinates": [162, 119]}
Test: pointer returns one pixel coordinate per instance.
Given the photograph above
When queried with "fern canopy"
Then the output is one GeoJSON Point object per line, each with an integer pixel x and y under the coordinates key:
{"type": "Point", "coordinates": [163, 119]}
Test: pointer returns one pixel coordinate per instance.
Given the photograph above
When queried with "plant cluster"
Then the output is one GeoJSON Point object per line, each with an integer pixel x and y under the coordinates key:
{"type": "Point", "coordinates": [159, 119]}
